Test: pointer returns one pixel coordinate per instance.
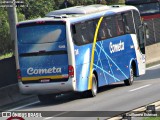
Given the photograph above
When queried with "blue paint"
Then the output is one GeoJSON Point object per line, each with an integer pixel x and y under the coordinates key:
{"type": "Point", "coordinates": [37, 38]}
{"type": "Point", "coordinates": [110, 67]}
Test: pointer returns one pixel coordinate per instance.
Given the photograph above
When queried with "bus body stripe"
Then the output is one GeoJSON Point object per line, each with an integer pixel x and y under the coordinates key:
{"type": "Point", "coordinates": [108, 57]}
{"type": "Point", "coordinates": [43, 77]}
{"type": "Point", "coordinates": [93, 49]}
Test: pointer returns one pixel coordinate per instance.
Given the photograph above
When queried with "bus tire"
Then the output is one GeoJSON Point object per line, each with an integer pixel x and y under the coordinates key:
{"type": "Point", "coordinates": [130, 80]}
{"type": "Point", "coordinates": [94, 89]}
{"type": "Point", "coordinates": [45, 99]}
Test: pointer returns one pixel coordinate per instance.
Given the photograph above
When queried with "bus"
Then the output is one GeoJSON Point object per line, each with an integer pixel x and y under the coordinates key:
{"type": "Point", "coordinates": [79, 49]}
{"type": "Point", "coordinates": [150, 13]}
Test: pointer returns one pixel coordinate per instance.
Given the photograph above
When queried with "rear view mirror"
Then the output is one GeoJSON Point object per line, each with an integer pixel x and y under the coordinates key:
{"type": "Point", "coordinates": [146, 30]}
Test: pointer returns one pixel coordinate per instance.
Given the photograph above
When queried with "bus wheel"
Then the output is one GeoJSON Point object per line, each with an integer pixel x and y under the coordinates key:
{"type": "Point", "coordinates": [131, 78]}
{"type": "Point", "coordinates": [48, 98]}
{"type": "Point", "coordinates": [93, 91]}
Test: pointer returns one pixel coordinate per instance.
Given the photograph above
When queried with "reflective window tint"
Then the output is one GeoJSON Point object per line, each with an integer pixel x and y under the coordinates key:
{"type": "Point", "coordinates": [128, 22]}
{"type": "Point", "coordinates": [111, 26]}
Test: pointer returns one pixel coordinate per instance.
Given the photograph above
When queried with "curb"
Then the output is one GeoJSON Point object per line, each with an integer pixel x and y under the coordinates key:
{"type": "Point", "coordinates": [153, 63]}
{"type": "Point", "coordinates": [152, 54]}
{"type": "Point", "coordinates": [11, 95]}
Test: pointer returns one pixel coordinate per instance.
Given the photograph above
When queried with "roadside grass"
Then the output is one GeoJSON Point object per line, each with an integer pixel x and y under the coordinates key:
{"type": "Point", "coordinates": [121, 1]}
{"type": "Point", "coordinates": [152, 118]}
{"type": "Point", "coordinates": [8, 55]}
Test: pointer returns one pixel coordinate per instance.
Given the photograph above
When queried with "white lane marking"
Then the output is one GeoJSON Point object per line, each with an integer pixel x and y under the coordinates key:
{"type": "Point", "coordinates": [60, 114]}
{"type": "Point", "coordinates": [153, 66]}
{"type": "Point", "coordinates": [23, 106]}
{"type": "Point", "coordinates": [55, 115]}
{"type": "Point", "coordinates": [47, 118]}
{"type": "Point", "coordinates": [140, 87]}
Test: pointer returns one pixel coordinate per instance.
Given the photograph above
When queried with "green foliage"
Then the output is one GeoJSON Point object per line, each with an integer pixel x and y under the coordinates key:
{"type": "Point", "coordinates": [34, 9]}
{"type": "Point", "coordinates": [112, 1]}
{"type": "Point", "coordinates": [90, 2]}
{"type": "Point", "coordinates": [21, 17]}
{"type": "Point", "coordinates": [8, 55]}
{"type": "Point", "coordinates": [152, 118]}
{"type": "Point", "coordinates": [5, 43]}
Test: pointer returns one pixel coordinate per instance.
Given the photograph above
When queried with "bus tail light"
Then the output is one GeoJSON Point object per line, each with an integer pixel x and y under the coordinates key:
{"type": "Point", "coordinates": [19, 74]}
{"type": "Point", "coordinates": [71, 71]}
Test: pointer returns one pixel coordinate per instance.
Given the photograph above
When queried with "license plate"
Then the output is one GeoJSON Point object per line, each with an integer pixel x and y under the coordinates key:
{"type": "Point", "coordinates": [45, 80]}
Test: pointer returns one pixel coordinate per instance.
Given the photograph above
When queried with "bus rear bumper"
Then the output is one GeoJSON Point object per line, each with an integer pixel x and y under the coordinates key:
{"type": "Point", "coordinates": [46, 88]}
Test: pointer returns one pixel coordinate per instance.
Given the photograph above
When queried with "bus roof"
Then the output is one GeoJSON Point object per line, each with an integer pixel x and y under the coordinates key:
{"type": "Point", "coordinates": [137, 2]}
{"type": "Point", "coordinates": [110, 11]}
{"type": "Point", "coordinates": [79, 10]}
{"type": "Point", "coordinates": [80, 13]}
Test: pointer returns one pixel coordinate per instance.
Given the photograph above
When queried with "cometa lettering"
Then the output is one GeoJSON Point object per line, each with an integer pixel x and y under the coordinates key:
{"type": "Point", "coordinates": [32, 71]}
{"type": "Point", "coordinates": [116, 47]}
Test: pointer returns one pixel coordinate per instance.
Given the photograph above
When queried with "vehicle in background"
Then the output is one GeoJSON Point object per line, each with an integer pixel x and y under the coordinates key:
{"type": "Point", "coordinates": [150, 12]}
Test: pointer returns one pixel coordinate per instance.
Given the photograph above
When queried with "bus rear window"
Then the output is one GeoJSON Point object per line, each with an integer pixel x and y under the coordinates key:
{"type": "Point", "coordinates": [41, 33]}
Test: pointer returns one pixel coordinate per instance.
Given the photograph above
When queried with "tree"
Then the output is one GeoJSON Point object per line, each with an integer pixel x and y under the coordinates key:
{"type": "Point", "coordinates": [37, 8]}
{"type": "Point", "coordinates": [34, 9]}
{"type": "Point", "coordinates": [66, 4]}
{"type": "Point", "coordinates": [112, 1]}
{"type": "Point", "coordinates": [5, 43]}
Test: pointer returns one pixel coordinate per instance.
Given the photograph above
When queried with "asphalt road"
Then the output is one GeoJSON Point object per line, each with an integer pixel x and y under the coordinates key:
{"type": "Point", "coordinates": [110, 99]}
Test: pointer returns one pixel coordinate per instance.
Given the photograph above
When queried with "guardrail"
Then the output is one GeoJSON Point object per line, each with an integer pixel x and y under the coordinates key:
{"type": "Point", "coordinates": [154, 30]}
{"type": "Point", "coordinates": [149, 110]}
{"type": "Point", "coordinates": [7, 72]}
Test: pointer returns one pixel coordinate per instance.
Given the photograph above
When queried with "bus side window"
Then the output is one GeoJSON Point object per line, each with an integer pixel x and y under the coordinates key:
{"type": "Point", "coordinates": [128, 22]}
{"type": "Point", "coordinates": [76, 31]}
{"type": "Point", "coordinates": [107, 28]}
{"type": "Point", "coordinates": [141, 39]}
{"type": "Point", "coordinates": [90, 30]}
{"type": "Point", "coordinates": [126, 27]}
{"type": "Point", "coordinates": [111, 26]}
{"type": "Point", "coordinates": [73, 29]}
{"type": "Point", "coordinates": [119, 25]}
{"type": "Point", "coordinates": [137, 19]}
{"type": "Point", "coordinates": [103, 33]}
{"type": "Point", "coordinates": [139, 30]}
{"type": "Point", "coordinates": [74, 35]}
{"type": "Point", "coordinates": [83, 32]}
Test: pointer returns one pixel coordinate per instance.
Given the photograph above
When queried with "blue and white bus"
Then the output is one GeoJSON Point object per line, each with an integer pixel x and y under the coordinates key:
{"type": "Point", "coordinates": [79, 49]}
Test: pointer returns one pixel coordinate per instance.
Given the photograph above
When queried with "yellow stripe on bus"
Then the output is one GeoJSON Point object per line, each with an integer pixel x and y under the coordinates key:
{"type": "Point", "coordinates": [93, 49]}
{"type": "Point", "coordinates": [42, 77]}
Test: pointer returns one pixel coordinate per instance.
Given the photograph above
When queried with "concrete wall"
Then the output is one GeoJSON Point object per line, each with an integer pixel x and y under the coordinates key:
{"type": "Point", "coordinates": [7, 72]}
{"type": "Point", "coordinates": [9, 91]}
{"type": "Point", "coordinates": [153, 54]}
{"type": "Point", "coordinates": [10, 94]}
